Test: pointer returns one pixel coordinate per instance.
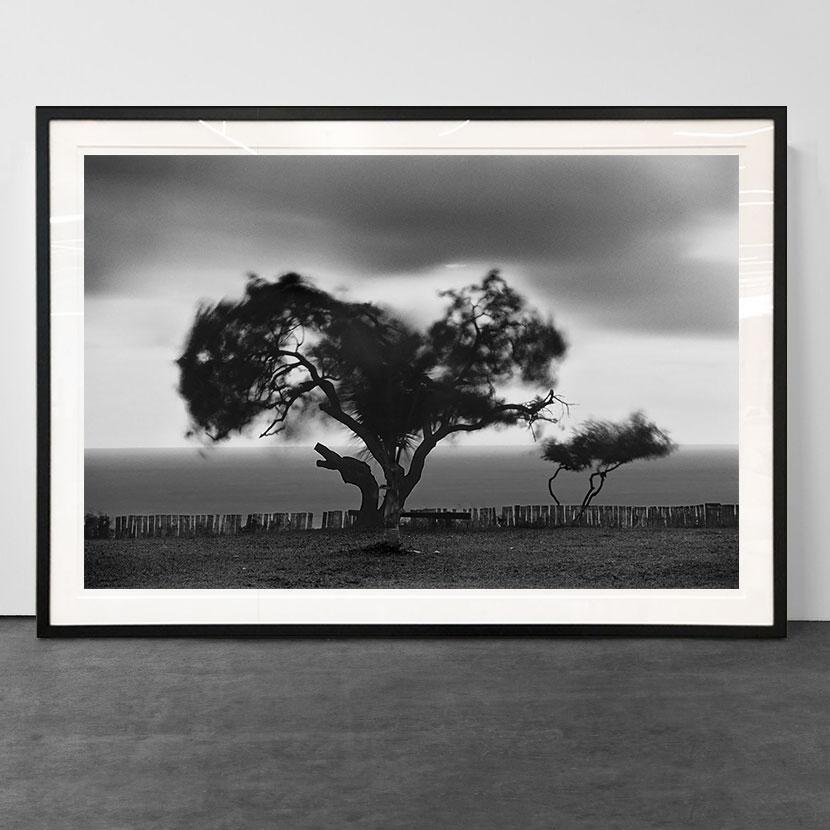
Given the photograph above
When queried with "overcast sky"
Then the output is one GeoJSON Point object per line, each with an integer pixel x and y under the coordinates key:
{"type": "Point", "coordinates": [634, 256]}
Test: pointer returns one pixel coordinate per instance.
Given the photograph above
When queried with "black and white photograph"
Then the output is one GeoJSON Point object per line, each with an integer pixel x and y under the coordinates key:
{"type": "Point", "coordinates": [413, 371]}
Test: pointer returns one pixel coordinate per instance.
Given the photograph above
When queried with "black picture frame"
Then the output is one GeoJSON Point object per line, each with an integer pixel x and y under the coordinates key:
{"type": "Point", "coordinates": [46, 115]}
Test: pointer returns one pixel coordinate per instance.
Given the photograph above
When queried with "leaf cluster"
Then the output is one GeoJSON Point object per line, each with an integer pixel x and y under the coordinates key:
{"type": "Point", "coordinates": [290, 351]}
{"type": "Point", "coordinates": [605, 445]}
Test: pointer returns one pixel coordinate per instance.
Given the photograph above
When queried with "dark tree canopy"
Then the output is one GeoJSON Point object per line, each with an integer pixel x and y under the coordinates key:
{"type": "Point", "coordinates": [289, 351]}
{"type": "Point", "coordinates": [604, 446]}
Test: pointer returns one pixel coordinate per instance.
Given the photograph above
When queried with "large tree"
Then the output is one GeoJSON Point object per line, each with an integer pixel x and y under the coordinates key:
{"type": "Point", "coordinates": [289, 352]}
{"type": "Point", "coordinates": [600, 447]}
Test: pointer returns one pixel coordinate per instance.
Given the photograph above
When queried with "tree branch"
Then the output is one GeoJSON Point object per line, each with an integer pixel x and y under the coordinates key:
{"type": "Point", "coordinates": [419, 457]}
{"type": "Point", "coordinates": [352, 471]}
{"type": "Point", "coordinates": [530, 411]}
{"type": "Point", "coordinates": [334, 409]}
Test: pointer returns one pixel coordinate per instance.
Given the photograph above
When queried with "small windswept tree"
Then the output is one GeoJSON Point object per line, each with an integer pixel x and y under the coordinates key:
{"type": "Point", "coordinates": [289, 352]}
{"type": "Point", "coordinates": [602, 447]}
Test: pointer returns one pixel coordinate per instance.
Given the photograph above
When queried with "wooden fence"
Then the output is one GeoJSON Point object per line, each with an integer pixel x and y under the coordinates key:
{"type": "Point", "coordinates": [531, 515]}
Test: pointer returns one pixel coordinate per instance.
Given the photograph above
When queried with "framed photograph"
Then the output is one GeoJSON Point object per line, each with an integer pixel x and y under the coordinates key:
{"type": "Point", "coordinates": [411, 370]}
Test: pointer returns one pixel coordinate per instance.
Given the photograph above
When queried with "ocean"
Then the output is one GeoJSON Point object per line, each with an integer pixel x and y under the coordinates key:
{"type": "Point", "coordinates": [283, 479]}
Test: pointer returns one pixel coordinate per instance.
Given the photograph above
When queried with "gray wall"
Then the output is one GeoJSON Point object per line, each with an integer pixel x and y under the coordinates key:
{"type": "Point", "coordinates": [260, 52]}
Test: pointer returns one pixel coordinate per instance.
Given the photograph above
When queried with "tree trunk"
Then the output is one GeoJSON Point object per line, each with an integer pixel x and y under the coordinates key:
{"type": "Point", "coordinates": [358, 473]}
{"type": "Point", "coordinates": [589, 496]}
{"type": "Point", "coordinates": [550, 484]}
{"type": "Point", "coordinates": [593, 491]}
{"type": "Point", "coordinates": [393, 506]}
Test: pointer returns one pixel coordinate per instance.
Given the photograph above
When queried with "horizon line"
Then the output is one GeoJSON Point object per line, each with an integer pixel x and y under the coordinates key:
{"type": "Point", "coordinates": [311, 446]}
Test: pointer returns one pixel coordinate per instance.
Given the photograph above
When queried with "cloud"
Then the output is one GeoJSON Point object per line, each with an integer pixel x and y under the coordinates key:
{"type": "Point", "coordinates": [645, 243]}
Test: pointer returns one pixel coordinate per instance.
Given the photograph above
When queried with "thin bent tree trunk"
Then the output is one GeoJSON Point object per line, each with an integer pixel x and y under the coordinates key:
{"type": "Point", "coordinates": [550, 485]}
{"type": "Point", "coordinates": [593, 491]}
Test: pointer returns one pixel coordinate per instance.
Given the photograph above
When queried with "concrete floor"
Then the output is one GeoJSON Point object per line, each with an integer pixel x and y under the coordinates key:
{"type": "Point", "coordinates": [415, 733]}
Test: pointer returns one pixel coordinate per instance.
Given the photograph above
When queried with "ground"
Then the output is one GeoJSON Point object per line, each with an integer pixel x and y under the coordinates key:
{"type": "Point", "coordinates": [421, 733]}
{"type": "Point", "coordinates": [508, 558]}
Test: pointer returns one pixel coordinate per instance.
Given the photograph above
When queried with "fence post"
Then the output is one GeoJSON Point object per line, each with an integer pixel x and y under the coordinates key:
{"type": "Point", "coordinates": [713, 514]}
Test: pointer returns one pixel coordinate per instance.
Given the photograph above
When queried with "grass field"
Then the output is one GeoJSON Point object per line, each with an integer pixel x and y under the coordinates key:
{"type": "Point", "coordinates": [510, 558]}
